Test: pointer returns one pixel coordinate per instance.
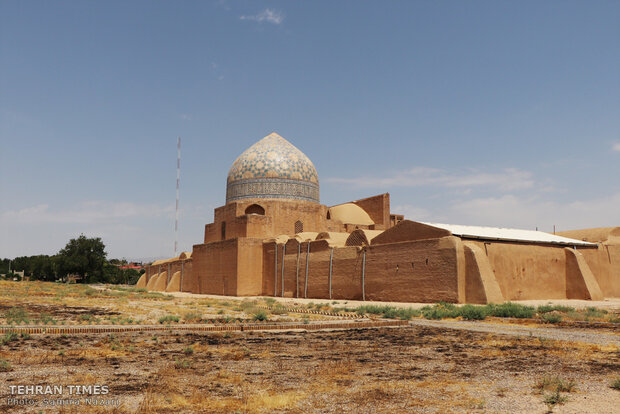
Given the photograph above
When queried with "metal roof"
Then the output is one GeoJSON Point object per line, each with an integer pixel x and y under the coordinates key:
{"type": "Point", "coordinates": [516, 235]}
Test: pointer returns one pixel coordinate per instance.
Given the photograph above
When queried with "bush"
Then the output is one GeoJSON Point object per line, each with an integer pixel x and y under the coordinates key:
{"type": "Point", "coordinates": [550, 308]}
{"type": "Point", "coordinates": [440, 310]}
{"type": "Point", "coordinates": [168, 319]}
{"type": "Point", "coordinates": [510, 310]}
{"type": "Point", "coordinates": [470, 312]}
{"type": "Point", "coordinates": [592, 312]}
{"type": "Point", "coordinates": [551, 318]}
{"type": "Point", "coordinates": [389, 312]}
{"type": "Point", "coordinates": [260, 316]}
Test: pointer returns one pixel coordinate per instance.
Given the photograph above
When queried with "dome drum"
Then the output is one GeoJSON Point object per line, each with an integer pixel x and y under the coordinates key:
{"type": "Point", "coordinates": [272, 188]}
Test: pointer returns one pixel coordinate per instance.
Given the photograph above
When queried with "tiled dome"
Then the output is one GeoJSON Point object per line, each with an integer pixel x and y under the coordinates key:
{"type": "Point", "coordinates": [272, 168]}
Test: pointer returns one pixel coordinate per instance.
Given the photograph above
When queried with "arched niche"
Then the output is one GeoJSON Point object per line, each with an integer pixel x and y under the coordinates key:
{"type": "Point", "coordinates": [255, 209]}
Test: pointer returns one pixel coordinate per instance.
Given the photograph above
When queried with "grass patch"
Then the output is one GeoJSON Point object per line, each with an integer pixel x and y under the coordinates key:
{"type": "Point", "coordinates": [192, 316]}
{"type": "Point", "coordinates": [550, 308]}
{"type": "Point", "coordinates": [555, 384]}
{"type": "Point", "coordinates": [279, 310]}
{"type": "Point", "coordinates": [471, 312]}
{"type": "Point", "coordinates": [5, 366]}
{"type": "Point", "coordinates": [17, 315]}
{"type": "Point", "coordinates": [440, 310]}
{"type": "Point", "coordinates": [260, 316]}
{"type": "Point", "coordinates": [8, 337]}
{"type": "Point", "coordinates": [87, 317]}
{"type": "Point", "coordinates": [182, 364]}
{"type": "Point", "coordinates": [389, 312]}
{"type": "Point", "coordinates": [168, 319]}
{"type": "Point", "coordinates": [615, 384]}
{"type": "Point", "coordinates": [47, 318]}
{"type": "Point", "coordinates": [551, 318]}
{"type": "Point", "coordinates": [554, 399]}
{"type": "Point", "coordinates": [510, 310]}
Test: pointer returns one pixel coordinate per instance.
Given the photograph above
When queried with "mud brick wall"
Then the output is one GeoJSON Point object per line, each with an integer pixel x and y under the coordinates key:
{"type": "Point", "coordinates": [215, 267]}
{"type": "Point", "coordinates": [418, 271]}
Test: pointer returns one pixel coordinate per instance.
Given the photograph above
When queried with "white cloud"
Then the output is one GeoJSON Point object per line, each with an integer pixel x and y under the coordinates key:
{"type": "Point", "coordinates": [616, 146]}
{"type": "Point", "coordinates": [508, 179]}
{"type": "Point", "coordinates": [85, 213]}
{"type": "Point", "coordinates": [530, 212]}
{"type": "Point", "coordinates": [267, 15]}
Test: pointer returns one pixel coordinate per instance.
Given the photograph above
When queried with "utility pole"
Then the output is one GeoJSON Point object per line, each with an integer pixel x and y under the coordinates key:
{"type": "Point", "coordinates": [176, 214]}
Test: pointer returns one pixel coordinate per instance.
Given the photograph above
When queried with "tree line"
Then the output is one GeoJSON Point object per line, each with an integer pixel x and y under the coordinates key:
{"type": "Point", "coordinates": [82, 256]}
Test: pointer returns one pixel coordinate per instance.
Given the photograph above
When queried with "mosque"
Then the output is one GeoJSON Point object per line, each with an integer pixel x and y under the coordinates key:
{"type": "Point", "coordinates": [274, 238]}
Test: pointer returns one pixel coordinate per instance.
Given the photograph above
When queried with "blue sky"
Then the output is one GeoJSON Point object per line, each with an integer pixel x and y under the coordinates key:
{"type": "Point", "coordinates": [481, 112]}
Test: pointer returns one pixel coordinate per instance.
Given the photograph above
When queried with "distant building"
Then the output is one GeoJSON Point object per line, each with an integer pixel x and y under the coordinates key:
{"type": "Point", "coordinates": [273, 237]}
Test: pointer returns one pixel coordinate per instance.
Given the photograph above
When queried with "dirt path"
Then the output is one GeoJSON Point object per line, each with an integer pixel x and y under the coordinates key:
{"type": "Point", "coordinates": [560, 334]}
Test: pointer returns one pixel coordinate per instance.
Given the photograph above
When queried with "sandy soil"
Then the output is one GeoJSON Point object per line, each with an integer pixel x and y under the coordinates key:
{"type": "Point", "coordinates": [401, 370]}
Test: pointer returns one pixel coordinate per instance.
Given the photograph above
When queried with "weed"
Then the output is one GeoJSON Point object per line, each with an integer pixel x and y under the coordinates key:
{"type": "Point", "coordinates": [551, 318]}
{"type": "Point", "coordinates": [440, 310]}
{"type": "Point", "coordinates": [554, 398]}
{"type": "Point", "coordinates": [87, 317]}
{"type": "Point", "coordinates": [220, 312]}
{"type": "Point", "coordinates": [260, 316]}
{"type": "Point", "coordinates": [279, 310]}
{"type": "Point", "coordinates": [5, 366]}
{"type": "Point", "coordinates": [24, 335]}
{"type": "Point", "coordinates": [47, 318]}
{"type": "Point", "coordinates": [615, 384]}
{"type": "Point", "coordinates": [182, 364]}
{"type": "Point", "coordinates": [168, 319]}
{"type": "Point", "coordinates": [389, 312]}
{"type": "Point", "coordinates": [556, 384]}
{"type": "Point", "coordinates": [17, 315]}
{"type": "Point", "coordinates": [550, 308]}
{"type": "Point", "coordinates": [592, 312]}
{"type": "Point", "coordinates": [192, 316]}
{"type": "Point", "coordinates": [188, 351]}
{"type": "Point", "coordinates": [8, 337]}
{"type": "Point", "coordinates": [269, 301]}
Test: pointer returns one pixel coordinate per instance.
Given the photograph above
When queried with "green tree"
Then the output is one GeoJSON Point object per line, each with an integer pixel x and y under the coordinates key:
{"type": "Point", "coordinates": [83, 256]}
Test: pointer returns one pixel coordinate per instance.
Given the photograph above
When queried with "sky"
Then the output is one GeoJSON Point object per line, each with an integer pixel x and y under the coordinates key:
{"type": "Point", "coordinates": [493, 113]}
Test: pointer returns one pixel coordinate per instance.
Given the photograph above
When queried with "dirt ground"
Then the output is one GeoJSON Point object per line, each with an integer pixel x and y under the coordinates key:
{"type": "Point", "coordinates": [399, 370]}
{"type": "Point", "coordinates": [446, 366]}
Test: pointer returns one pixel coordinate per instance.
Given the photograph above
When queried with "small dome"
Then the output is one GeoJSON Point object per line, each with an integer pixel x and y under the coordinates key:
{"type": "Point", "coordinates": [350, 213]}
{"type": "Point", "coordinates": [273, 168]}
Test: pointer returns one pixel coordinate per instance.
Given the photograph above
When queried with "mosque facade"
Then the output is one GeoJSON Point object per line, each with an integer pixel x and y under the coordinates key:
{"type": "Point", "coordinates": [274, 238]}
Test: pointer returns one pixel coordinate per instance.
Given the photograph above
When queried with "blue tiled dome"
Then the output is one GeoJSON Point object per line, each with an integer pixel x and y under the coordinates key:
{"type": "Point", "coordinates": [272, 168]}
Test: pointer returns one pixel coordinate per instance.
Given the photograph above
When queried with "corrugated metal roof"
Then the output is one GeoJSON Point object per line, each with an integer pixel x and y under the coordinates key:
{"type": "Point", "coordinates": [497, 233]}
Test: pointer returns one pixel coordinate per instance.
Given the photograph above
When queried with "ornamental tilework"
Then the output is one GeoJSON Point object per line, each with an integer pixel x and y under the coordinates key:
{"type": "Point", "coordinates": [273, 157]}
